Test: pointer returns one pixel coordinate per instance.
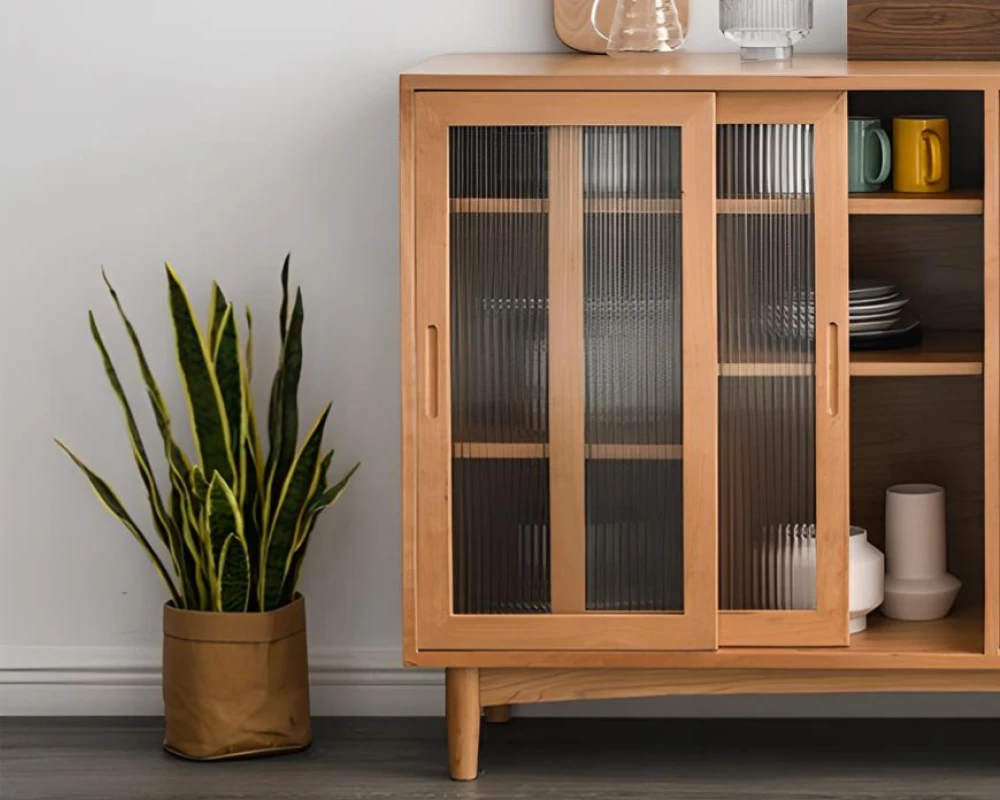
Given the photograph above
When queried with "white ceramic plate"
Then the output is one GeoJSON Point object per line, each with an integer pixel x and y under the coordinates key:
{"type": "Point", "coordinates": [901, 327]}
{"type": "Point", "coordinates": [871, 289]}
{"type": "Point", "coordinates": [877, 308]}
{"type": "Point", "coordinates": [874, 325]}
{"type": "Point", "coordinates": [866, 317]}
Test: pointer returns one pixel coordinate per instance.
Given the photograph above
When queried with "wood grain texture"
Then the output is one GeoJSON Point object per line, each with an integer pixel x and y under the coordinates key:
{"type": "Point", "coordinates": [554, 685]}
{"type": "Point", "coordinates": [694, 72]}
{"type": "Point", "coordinates": [942, 353]}
{"type": "Point", "coordinates": [936, 261]}
{"type": "Point", "coordinates": [991, 395]}
{"type": "Point", "coordinates": [567, 423]}
{"type": "Point", "coordinates": [574, 22]}
{"type": "Point", "coordinates": [967, 203]}
{"type": "Point", "coordinates": [462, 712]}
{"type": "Point", "coordinates": [541, 759]}
{"type": "Point", "coordinates": [923, 29]}
{"type": "Point", "coordinates": [408, 369]}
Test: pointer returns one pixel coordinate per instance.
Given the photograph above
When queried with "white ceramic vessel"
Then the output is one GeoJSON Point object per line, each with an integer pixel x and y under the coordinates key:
{"type": "Point", "coordinates": [917, 586]}
{"type": "Point", "coordinates": [867, 579]}
{"type": "Point", "coordinates": [787, 573]}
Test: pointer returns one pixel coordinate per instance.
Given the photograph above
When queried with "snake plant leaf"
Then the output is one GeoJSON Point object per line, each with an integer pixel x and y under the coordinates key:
{"type": "Point", "coordinates": [322, 501]}
{"type": "Point", "coordinates": [223, 518]}
{"type": "Point", "coordinates": [208, 416]}
{"type": "Point", "coordinates": [198, 486]}
{"type": "Point", "coordinates": [251, 514]}
{"type": "Point", "coordinates": [283, 311]}
{"type": "Point", "coordinates": [249, 317]}
{"type": "Point", "coordinates": [160, 411]}
{"type": "Point", "coordinates": [217, 305]}
{"type": "Point", "coordinates": [160, 517]}
{"type": "Point", "coordinates": [188, 557]}
{"type": "Point", "coordinates": [187, 521]}
{"type": "Point", "coordinates": [229, 374]}
{"type": "Point", "coordinates": [303, 477]}
{"type": "Point", "coordinates": [234, 575]}
{"type": "Point", "coordinates": [111, 502]}
{"type": "Point", "coordinates": [284, 411]}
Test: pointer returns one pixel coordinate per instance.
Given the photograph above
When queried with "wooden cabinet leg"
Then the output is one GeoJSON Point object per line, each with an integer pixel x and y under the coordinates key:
{"type": "Point", "coordinates": [497, 715]}
{"type": "Point", "coordinates": [462, 711]}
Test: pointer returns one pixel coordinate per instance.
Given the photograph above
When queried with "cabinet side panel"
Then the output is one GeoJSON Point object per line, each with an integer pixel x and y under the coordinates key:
{"type": "Point", "coordinates": [991, 224]}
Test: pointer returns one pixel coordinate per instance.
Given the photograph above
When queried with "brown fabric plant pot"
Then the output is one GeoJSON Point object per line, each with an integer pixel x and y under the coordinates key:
{"type": "Point", "coordinates": [235, 685]}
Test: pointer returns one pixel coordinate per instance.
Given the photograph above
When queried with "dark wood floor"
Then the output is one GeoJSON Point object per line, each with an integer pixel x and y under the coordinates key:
{"type": "Point", "coordinates": [529, 758]}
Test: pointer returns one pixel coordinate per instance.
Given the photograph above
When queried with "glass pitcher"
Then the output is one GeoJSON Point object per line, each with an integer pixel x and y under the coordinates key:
{"type": "Point", "coordinates": [642, 27]}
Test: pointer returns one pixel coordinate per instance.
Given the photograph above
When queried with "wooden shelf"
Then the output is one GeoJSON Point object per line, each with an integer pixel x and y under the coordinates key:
{"type": "Point", "coordinates": [960, 203]}
{"type": "Point", "coordinates": [597, 452]}
{"type": "Point", "coordinates": [942, 353]}
{"type": "Point", "coordinates": [967, 203]}
{"type": "Point", "coordinates": [960, 633]}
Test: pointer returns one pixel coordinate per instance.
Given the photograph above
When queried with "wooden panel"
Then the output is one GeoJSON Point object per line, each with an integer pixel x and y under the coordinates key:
{"type": "Point", "coordinates": [574, 22]}
{"type": "Point", "coordinates": [941, 353]}
{"type": "Point", "coordinates": [923, 29]}
{"type": "Point", "coordinates": [693, 72]}
{"type": "Point", "coordinates": [937, 261]}
{"type": "Point", "coordinates": [827, 625]}
{"type": "Point", "coordinates": [599, 452]}
{"type": "Point", "coordinates": [963, 203]}
{"type": "Point", "coordinates": [992, 370]}
{"type": "Point", "coordinates": [439, 628]}
{"type": "Point", "coordinates": [567, 481]}
{"type": "Point", "coordinates": [923, 430]}
{"type": "Point", "coordinates": [554, 685]}
{"type": "Point", "coordinates": [408, 366]}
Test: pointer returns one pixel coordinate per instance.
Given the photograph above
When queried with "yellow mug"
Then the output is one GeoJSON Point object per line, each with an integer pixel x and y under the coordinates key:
{"type": "Point", "coordinates": [921, 154]}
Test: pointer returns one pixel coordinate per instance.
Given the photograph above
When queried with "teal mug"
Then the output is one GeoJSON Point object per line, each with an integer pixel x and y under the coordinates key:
{"type": "Point", "coordinates": [870, 154]}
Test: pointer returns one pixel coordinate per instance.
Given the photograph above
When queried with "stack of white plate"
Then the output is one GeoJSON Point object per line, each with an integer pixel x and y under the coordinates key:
{"type": "Point", "coordinates": [876, 308]}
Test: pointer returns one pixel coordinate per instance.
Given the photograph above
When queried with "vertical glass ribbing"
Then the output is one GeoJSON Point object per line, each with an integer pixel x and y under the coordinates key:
{"type": "Point", "coordinates": [499, 351]}
{"type": "Point", "coordinates": [632, 323]}
{"type": "Point", "coordinates": [767, 308]}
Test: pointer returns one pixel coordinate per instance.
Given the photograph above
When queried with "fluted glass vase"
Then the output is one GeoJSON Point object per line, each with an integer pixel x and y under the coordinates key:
{"type": "Point", "coordinates": [766, 30]}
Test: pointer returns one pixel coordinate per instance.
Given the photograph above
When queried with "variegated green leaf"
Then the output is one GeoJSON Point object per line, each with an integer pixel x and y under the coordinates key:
{"type": "Point", "coordinates": [208, 418]}
{"type": "Point", "coordinates": [187, 520]}
{"type": "Point", "coordinates": [111, 502]}
{"type": "Point", "coordinates": [301, 483]}
{"type": "Point", "coordinates": [229, 374]}
{"type": "Point", "coordinates": [234, 575]}
{"type": "Point", "coordinates": [174, 453]}
{"type": "Point", "coordinates": [223, 517]}
{"type": "Point", "coordinates": [323, 500]}
{"type": "Point", "coordinates": [217, 306]}
{"type": "Point", "coordinates": [283, 311]}
{"type": "Point", "coordinates": [283, 417]}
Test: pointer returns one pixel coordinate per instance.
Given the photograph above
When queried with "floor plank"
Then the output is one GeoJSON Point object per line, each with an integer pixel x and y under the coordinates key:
{"type": "Point", "coordinates": [113, 759]}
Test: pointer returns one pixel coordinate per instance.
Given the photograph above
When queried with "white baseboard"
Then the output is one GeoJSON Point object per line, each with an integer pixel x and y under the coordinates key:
{"type": "Point", "coordinates": [114, 681]}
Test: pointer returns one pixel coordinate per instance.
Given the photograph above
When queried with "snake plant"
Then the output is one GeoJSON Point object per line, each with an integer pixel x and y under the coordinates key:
{"type": "Point", "coordinates": [235, 525]}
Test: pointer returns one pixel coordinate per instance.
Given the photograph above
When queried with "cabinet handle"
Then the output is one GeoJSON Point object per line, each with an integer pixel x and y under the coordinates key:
{"type": "Point", "coordinates": [833, 369]}
{"type": "Point", "coordinates": [431, 387]}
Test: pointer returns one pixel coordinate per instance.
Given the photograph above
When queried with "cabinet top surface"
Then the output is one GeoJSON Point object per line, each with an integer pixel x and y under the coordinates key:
{"type": "Point", "coordinates": [692, 71]}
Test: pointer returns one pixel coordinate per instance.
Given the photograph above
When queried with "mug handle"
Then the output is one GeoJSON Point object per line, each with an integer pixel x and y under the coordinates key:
{"type": "Point", "coordinates": [593, 21]}
{"type": "Point", "coordinates": [886, 147]}
{"type": "Point", "coordinates": [936, 169]}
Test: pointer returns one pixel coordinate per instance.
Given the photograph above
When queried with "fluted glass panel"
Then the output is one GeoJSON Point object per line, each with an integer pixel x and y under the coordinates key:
{"type": "Point", "coordinates": [499, 352]}
{"type": "Point", "coordinates": [767, 478]}
{"type": "Point", "coordinates": [633, 383]}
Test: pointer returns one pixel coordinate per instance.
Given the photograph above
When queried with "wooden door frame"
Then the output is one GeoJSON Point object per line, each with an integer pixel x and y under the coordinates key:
{"type": "Point", "coordinates": [828, 623]}
{"type": "Point", "coordinates": [428, 430]}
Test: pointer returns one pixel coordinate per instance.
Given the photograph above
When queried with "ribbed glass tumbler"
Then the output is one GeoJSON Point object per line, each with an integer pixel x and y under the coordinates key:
{"type": "Point", "coordinates": [766, 30]}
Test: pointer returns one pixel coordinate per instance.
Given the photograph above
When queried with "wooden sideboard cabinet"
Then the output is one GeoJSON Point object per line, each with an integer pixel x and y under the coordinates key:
{"type": "Point", "coordinates": [635, 433]}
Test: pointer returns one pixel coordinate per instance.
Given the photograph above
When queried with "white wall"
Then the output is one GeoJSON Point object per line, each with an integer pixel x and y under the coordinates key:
{"type": "Point", "coordinates": [217, 134]}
